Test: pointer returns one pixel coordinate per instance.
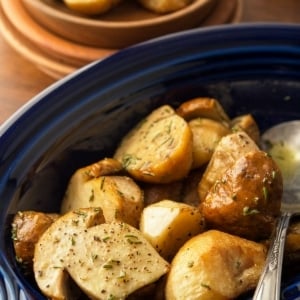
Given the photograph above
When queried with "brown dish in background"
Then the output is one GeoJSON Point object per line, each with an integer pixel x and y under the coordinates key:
{"type": "Point", "coordinates": [57, 55]}
{"type": "Point", "coordinates": [124, 25]}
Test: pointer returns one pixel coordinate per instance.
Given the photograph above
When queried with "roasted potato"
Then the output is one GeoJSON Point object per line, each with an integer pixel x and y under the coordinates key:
{"type": "Point", "coordinates": [101, 185]}
{"type": "Point", "coordinates": [119, 197]}
{"type": "Point", "coordinates": [158, 149]}
{"type": "Point", "coordinates": [91, 7]}
{"type": "Point", "coordinates": [105, 260]}
{"type": "Point", "coordinates": [206, 135]}
{"type": "Point", "coordinates": [246, 199]}
{"type": "Point", "coordinates": [215, 266]}
{"type": "Point", "coordinates": [167, 225]}
{"type": "Point", "coordinates": [27, 227]}
{"type": "Point", "coordinates": [248, 124]}
{"type": "Point", "coordinates": [103, 167]}
{"type": "Point", "coordinates": [228, 150]}
{"type": "Point", "coordinates": [164, 6]}
{"type": "Point", "coordinates": [203, 107]}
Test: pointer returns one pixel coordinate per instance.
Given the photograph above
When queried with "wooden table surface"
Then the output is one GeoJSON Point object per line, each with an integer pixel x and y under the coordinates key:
{"type": "Point", "coordinates": [20, 80]}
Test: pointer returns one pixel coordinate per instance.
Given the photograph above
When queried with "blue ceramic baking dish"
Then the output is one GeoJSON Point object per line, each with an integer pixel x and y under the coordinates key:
{"type": "Point", "coordinates": [81, 118]}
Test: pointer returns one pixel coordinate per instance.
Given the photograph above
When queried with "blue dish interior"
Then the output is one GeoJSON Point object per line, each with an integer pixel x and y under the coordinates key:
{"type": "Point", "coordinates": [249, 68]}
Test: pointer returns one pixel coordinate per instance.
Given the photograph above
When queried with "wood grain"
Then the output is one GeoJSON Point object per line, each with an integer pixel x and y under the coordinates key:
{"type": "Point", "coordinates": [20, 80]}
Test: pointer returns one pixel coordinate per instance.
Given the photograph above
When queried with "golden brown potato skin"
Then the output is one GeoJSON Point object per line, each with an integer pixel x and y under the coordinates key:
{"type": "Point", "coordinates": [203, 107]}
{"type": "Point", "coordinates": [27, 227]}
{"type": "Point", "coordinates": [215, 266]}
{"type": "Point", "coordinates": [246, 200]}
{"type": "Point", "coordinates": [248, 124]}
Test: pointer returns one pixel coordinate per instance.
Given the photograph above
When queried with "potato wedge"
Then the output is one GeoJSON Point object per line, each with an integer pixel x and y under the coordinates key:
{"type": "Point", "coordinates": [246, 200]}
{"type": "Point", "coordinates": [106, 260]}
{"type": "Point", "coordinates": [215, 266]}
{"type": "Point", "coordinates": [203, 107]}
{"type": "Point", "coordinates": [119, 197]}
{"type": "Point", "coordinates": [248, 124]}
{"type": "Point", "coordinates": [54, 247]}
{"type": "Point", "coordinates": [167, 225]}
{"type": "Point", "coordinates": [228, 150]}
{"type": "Point", "coordinates": [158, 149]}
{"type": "Point", "coordinates": [206, 135]}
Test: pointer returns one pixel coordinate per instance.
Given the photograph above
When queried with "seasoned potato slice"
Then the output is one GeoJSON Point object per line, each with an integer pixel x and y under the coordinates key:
{"type": "Point", "coordinates": [228, 150]}
{"type": "Point", "coordinates": [206, 135]}
{"type": "Point", "coordinates": [247, 124]}
{"type": "Point", "coordinates": [27, 227]}
{"type": "Point", "coordinates": [106, 260]}
{"type": "Point", "coordinates": [215, 266]}
{"type": "Point", "coordinates": [246, 200]}
{"type": "Point", "coordinates": [168, 225]}
{"type": "Point", "coordinates": [54, 247]}
{"type": "Point", "coordinates": [159, 149]}
{"type": "Point", "coordinates": [203, 107]}
{"type": "Point", "coordinates": [119, 197]}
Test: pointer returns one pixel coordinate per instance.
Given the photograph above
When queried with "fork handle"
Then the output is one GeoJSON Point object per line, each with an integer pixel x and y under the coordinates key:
{"type": "Point", "coordinates": [269, 283]}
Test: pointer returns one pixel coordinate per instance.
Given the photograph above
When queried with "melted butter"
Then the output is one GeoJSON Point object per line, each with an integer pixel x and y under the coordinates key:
{"type": "Point", "coordinates": [286, 159]}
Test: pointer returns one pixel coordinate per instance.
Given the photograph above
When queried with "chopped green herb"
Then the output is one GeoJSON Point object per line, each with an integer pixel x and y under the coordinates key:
{"type": "Point", "coordinates": [73, 241]}
{"type": "Point", "coordinates": [266, 193]}
{"type": "Point", "coordinates": [132, 239]}
{"type": "Point", "coordinates": [205, 286]}
{"type": "Point", "coordinates": [75, 222]}
{"type": "Point", "coordinates": [128, 160]}
{"type": "Point", "coordinates": [105, 239]}
{"type": "Point", "coordinates": [247, 211]}
{"type": "Point", "coordinates": [80, 213]}
{"type": "Point", "coordinates": [102, 183]}
{"type": "Point", "coordinates": [94, 257]}
{"type": "Point", "coordinates": [107, 266]}
{"type": "Point", "coordinates": [92, 196]}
